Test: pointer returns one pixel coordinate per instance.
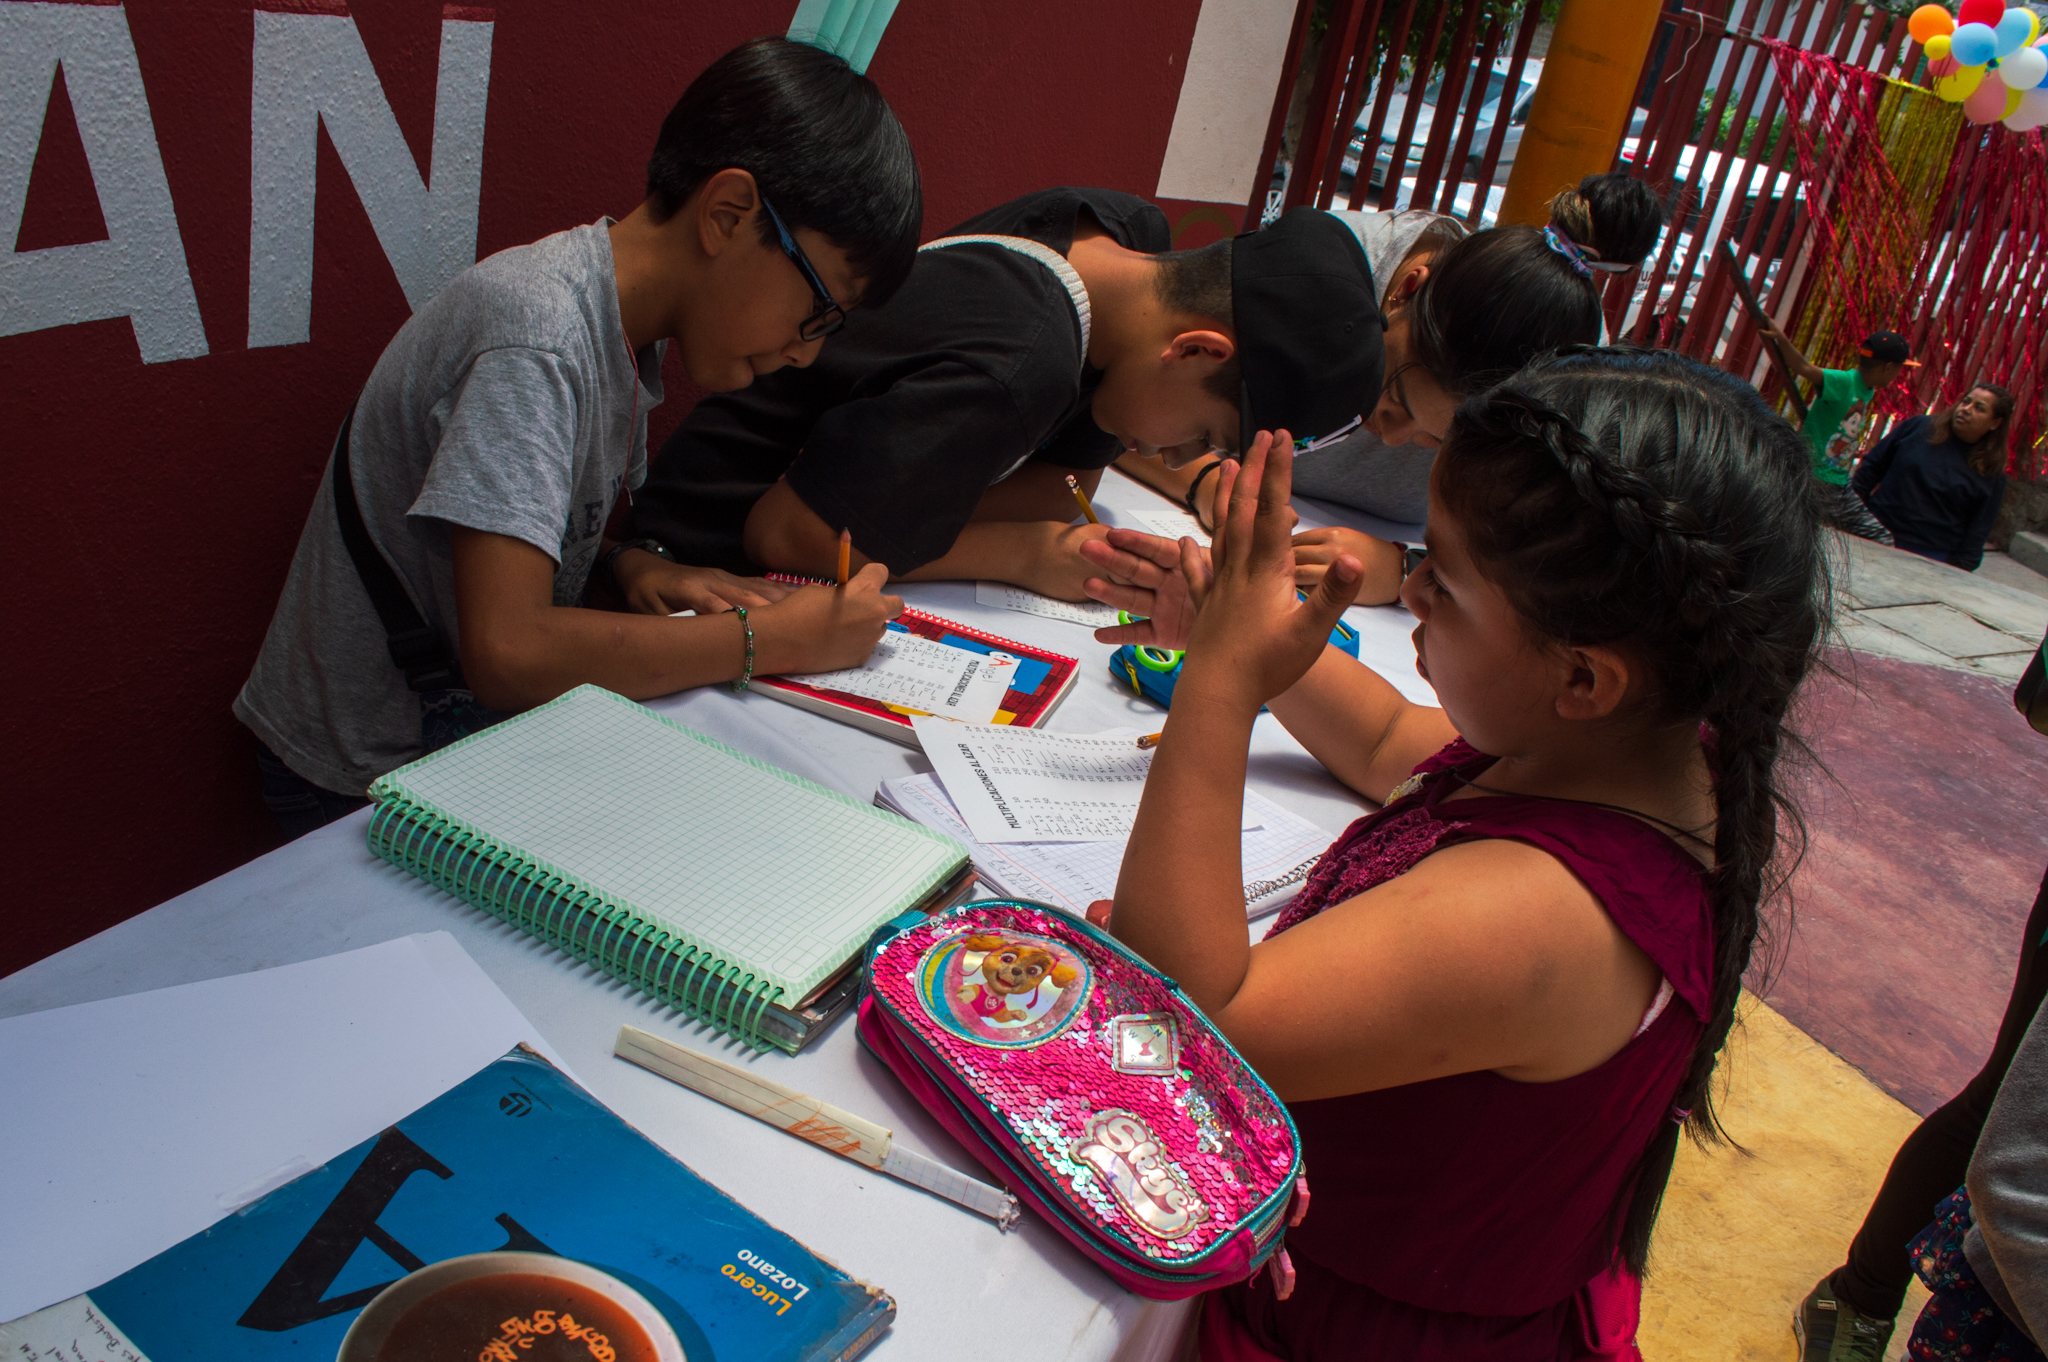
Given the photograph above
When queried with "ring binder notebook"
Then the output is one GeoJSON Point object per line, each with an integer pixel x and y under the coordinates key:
{"type": "Point", "coordinates": [734, 891]}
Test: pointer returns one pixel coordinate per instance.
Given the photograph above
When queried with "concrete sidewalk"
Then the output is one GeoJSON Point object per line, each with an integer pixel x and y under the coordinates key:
{"type": "Point", "coordinates": [1897, 604]}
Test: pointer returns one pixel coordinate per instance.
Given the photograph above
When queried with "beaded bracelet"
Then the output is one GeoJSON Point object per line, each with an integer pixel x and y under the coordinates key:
{"type": "Point", "coordinates": [747, 669]}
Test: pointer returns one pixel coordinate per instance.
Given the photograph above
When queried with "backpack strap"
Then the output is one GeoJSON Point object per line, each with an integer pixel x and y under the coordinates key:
{"type": "Point", "coordinates": [417, 648]}
{"type": "Point", "coordinates": [1044, 255]}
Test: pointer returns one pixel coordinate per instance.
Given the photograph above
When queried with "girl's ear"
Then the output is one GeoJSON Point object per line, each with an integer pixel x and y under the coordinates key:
{"type": "Point", "coordinates": [1406, 285]}
{"type": "Point", "coordinates": [1596, 683]}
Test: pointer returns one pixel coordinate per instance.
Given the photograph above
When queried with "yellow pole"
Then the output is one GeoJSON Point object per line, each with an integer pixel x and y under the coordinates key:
{"type": "Point", "coordinates": [1581, 108]}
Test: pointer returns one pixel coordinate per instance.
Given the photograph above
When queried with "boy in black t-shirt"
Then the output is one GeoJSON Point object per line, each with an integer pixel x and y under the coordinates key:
{"type": "Point", "coordinates": [940, 430]}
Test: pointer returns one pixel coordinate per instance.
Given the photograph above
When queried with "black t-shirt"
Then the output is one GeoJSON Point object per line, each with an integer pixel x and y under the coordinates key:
{"type": "Point", "coordinates": [1927, 494]}
{"type": "Point", "coordinates": [912, 410]}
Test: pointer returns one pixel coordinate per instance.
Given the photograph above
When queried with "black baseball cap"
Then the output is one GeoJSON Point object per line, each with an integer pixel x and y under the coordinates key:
{"type": "Point", "coordinates": [1887, 347]}
{"type": "Point", "coordinates": [1308, 328]}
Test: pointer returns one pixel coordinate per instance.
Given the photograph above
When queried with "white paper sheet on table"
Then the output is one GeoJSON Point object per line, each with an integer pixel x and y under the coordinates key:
{"type": "Point", "coordinates": [1002, 595]}
{"type": "Point", "coordinates": [1276, 855]}
{"type": "Point", "coordinates": [133, 1123]}
{"type": "Point", "coordinates": [925, 675]}
{"type": "Point", "coordinates": [1028, 785]}
{"type": "Point", "coordinates": [1171, 523]}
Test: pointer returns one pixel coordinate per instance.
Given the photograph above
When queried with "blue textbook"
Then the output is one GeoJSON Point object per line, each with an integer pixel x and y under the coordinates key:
{"type": "Point", "coordinates": [512, 1218]}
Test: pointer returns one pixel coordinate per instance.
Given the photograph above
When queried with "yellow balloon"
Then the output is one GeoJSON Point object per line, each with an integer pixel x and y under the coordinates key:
{"type": "Point", "coordinates": [1960, 86]}
{"type": "Point", "coordinates": [2012, 102]}
{"type": "Point", "coordinates": [1937, 47]}
{"type": "Point", "coordinates": [1929, 21]}
{"type": "Point", "coordinates": [2033, 28]}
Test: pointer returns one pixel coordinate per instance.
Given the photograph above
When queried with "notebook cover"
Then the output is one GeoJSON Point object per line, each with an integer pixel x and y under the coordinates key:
{"type": "Point", "coordinates": [516, 1157]}
{"type": "Point", "coordinates": [1043, 680]}
{"type": "Point", "coordinates": [585, 918]}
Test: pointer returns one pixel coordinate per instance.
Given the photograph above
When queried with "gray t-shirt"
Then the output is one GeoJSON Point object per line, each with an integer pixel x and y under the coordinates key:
{"type": "Point", "coordinates": [1362, 472]}
{"type": "Point", "coordinates": [2007, 1243]}
{"type": "Point", "coordinates": [511, 403]}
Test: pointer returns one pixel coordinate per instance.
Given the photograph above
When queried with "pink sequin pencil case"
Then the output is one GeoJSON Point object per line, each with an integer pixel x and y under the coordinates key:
{"type": "Point", "coordinates": [1088, 1084]}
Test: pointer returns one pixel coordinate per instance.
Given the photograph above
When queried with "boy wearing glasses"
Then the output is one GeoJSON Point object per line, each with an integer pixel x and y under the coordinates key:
{"type": "Point", "coordinates": [1040, 339]}
{"type": "Point", "coordinates": [439, 581]}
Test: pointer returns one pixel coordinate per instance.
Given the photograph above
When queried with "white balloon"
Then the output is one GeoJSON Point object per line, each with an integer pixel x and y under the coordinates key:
{"type": "Point", "coordinates": [2032, 112]}
{"type": "Point", "coordinates": [2023, 69]}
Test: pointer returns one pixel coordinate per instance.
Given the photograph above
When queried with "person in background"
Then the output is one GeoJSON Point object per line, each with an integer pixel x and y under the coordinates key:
{"type": "Point", "coordinates": [1985, 1257]}
{"type": "Point", "coordinates": [1836, 418]}
{"type": "Point", "coordinates": [1936, 481]}
{"type": "Point", "coordinates": [439, 580]}
{"type": "Point", "coordinates": [1462, 311]}
{"type": "Point", "coordinates": [1850, 1314]}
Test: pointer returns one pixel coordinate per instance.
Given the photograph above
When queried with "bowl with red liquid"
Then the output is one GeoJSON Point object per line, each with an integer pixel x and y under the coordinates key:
{"type": "Point", "coordinates": [535, 1305]}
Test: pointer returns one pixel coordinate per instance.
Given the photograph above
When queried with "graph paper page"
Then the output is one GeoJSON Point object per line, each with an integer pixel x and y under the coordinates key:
{"type": "Point", "coordinates": [771, 873]}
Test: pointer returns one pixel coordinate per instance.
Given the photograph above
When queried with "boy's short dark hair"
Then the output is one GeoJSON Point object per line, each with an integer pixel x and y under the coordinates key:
{"type": "Point", "coordinates": [1196, 283]}
{"type": "Point", "coordinates": [819, 140]}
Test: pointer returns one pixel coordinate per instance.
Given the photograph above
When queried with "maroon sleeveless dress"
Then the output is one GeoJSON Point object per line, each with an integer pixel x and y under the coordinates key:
{"type": "Point", "coordinates": [1460, 1218]}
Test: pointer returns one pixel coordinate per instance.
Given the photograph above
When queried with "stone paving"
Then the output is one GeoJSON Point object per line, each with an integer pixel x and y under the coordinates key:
{"type": "Point", "coordinates": [1898, 604]}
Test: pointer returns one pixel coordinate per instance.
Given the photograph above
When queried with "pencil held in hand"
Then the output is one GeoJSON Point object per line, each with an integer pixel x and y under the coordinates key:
{"type": "Point", "coordinates": [845, 555]}
{"type": "Point", "coordinates": [1082, 497]}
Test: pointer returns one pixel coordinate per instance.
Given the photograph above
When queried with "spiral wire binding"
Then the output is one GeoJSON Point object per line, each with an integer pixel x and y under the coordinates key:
{"type": "Point", "coordinates": [1258, 889]}
{"type": "Point", "coordinates": [534, 896]}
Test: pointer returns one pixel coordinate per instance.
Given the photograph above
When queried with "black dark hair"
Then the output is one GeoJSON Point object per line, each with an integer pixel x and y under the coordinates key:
{"type": "Point", "coordinates": [1197, 283]}
{"type": "Point", "coordinates": [1640, 498]}
{"type": "Point", "coordinates": [1500, 297]}
{"type": "Point", "coordinates": [821, 143]}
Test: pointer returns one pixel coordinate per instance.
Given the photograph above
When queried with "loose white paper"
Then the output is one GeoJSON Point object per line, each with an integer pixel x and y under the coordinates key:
{"type": "Point", "coordinates": [1276, 855]}
{"type": "Point", "coordinates": [1172, 524]}
{"type": "Point", "coordinates": [1028, 785]}
{"type": "Point", "coordinates": [926, 677]}
{"type": "Point", "coordinates": [1094, 614]}
{"type": "Point", "coordinates": [133, 1123]}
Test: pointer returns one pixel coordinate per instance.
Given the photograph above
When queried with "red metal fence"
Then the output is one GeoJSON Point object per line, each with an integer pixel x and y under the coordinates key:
{"type": "Point", "coordinates": [1714, 134]}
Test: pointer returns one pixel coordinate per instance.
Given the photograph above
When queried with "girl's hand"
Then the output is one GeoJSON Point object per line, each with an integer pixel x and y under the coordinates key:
{"type": "Point", "coordinates": [1253, 637]}
{"type": "Point", "coordinates": [1315, 550]}
{"type": "Point", "coordinates": [1142, 573]}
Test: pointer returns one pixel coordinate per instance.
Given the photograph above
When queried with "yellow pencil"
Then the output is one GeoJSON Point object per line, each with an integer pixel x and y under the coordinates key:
{"type": "Point", "coordinates": [845, 555]}
{"type": "Point", "coordinates": [1150, 740]}
{"type": "Point", "coordinates": [1082, 497]}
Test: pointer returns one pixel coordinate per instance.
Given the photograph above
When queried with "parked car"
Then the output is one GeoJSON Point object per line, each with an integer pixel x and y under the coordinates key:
{"type": "Point", "coordinates": [1425, 118]}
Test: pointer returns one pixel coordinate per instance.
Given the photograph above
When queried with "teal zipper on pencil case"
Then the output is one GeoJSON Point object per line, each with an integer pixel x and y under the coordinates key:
{"type": "Point", "coordinates": [535, 897]}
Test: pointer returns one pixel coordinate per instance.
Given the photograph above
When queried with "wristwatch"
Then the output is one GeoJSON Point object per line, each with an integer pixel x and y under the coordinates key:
{"type": "Point", "coordinates": [653, 546]}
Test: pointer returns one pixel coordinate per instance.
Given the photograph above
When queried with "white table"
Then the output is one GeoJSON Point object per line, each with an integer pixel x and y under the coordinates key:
{"type": "Point", "coordinates": [949, 1270]}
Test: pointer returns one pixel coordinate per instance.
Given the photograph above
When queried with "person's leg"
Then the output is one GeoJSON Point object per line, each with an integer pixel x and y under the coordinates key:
{"type": "Point", "coordinates": [296, 803]}
{"type": "Point", "coordinates": [1844, 510]}
{"type": "Point", "coordinates": [1931, 1163]}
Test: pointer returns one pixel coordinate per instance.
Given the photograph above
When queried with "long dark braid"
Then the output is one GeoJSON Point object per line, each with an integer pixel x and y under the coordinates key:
{"type": "Point", "coordinates": [1639, 498]}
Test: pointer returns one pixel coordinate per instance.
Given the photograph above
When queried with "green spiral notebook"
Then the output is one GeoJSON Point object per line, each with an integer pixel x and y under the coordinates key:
{"type": "Point", "coordinates": [721, 885]}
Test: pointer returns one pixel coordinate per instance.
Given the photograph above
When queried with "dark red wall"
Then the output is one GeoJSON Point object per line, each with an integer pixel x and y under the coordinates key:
{"type": "Point", "coordinates": [156, 506]}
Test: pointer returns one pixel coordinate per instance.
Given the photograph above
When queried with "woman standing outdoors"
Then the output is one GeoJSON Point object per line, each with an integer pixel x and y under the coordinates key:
{"type": "Point", "coordinates": [1936, 480]}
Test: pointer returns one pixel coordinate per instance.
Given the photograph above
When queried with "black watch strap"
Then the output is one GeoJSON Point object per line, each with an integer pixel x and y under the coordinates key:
{"type": "Point", "coordinates": [1189, 499]}
{"type": "Point", "coordinates": [653, 546]}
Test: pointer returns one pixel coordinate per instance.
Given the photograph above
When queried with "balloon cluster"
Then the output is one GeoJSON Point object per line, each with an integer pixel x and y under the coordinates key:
{"type": "Point", "coordinates": [1991, 60]}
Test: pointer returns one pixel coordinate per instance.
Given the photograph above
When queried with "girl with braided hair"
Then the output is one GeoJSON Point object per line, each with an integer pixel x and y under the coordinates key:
{"type": "Point", "coordinates": [1498, 1000]}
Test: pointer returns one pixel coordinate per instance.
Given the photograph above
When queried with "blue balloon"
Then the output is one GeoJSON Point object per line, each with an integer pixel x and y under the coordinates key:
{"type": "Point", "coordinates": [2013, 31]}
{"type": "Point", "coordinates": [1973, 44]}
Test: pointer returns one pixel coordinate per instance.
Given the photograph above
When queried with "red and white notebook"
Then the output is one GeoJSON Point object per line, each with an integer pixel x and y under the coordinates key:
{"type": "Point", "coordinates": [998, 681]}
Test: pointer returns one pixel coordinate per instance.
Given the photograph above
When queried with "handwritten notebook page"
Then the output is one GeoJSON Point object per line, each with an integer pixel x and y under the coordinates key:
{"type": "Point", "coordinates": [1028, 785]}
{"type": "Point", "coordinates": [1276, 855]}
{"type": "Point", "coordinates": [773, 873]}
{"type": "Point", "coordinates": [922, 674]}
{"type": "Point", "coordinates": [1094, 614]}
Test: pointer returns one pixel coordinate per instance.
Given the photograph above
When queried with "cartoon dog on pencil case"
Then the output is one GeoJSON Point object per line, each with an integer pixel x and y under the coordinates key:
{"type": "Point", "coordinates": [1008, 969]}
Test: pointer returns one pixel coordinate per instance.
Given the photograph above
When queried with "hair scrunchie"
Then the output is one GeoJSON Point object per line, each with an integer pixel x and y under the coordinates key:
{"type": "Point", "coordinates": [1574, 255]}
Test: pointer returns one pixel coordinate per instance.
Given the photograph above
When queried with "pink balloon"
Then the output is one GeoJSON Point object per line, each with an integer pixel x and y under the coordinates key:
{"type": "Point", "coordinates": [1986, 103]}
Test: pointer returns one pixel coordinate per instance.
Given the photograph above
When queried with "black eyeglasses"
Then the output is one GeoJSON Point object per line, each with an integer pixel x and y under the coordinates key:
{"type": "Point", "coordinates": [828, 316]}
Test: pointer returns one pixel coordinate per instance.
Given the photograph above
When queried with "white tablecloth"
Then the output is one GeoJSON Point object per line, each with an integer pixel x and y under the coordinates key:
{"type": "Point", "coordinates": [950, 1271]}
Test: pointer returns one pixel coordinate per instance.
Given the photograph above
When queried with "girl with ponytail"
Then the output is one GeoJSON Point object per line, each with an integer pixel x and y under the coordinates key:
{"type": "Point", "coordinates": [1498, 1000]}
